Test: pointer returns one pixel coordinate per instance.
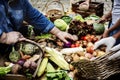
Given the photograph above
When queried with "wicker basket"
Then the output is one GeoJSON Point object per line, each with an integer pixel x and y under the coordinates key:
{"type": "Point", "coordinates": [55, 10]}
{"type": "Point", "coordinates": [95, 7]}
{"type": "Point", "coordinates": [99, 69]}
{"type": "Point", "coordinates": [19, 76]}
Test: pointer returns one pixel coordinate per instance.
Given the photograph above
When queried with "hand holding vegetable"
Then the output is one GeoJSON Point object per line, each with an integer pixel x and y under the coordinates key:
{"type": "Point", "coordinates": [63, 35]}
{"type": "Point", "coordinates": [11, 37]}
{"type": "Point", "coordinates": [109, 42]}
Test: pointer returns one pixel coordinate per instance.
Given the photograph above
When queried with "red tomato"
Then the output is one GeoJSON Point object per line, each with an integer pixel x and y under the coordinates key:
{"type": "Point", "coordinates": [77, 45]}
{"type": "Point", "coordinates": [73, 45]}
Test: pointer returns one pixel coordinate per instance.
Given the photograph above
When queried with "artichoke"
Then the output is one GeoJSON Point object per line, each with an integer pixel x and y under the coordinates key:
{"type": "Point", "coordinates": [29, 49]}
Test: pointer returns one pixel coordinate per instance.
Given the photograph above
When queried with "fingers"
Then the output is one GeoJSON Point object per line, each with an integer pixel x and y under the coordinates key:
{"type": "Point", "coordinates": [115, 56]}
{"type": "Point", "coordinates": [115, 48]}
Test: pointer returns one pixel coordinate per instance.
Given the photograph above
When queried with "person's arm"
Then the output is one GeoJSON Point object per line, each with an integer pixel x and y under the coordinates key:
{"type": "Point", "coordinates": [36, 18]}
{"type": "Point", "coordinates": [7, 37]}
{"type": "Point", "coordinates": [115, 26]}
{"type": "Point", "coordinates": [42, 24]}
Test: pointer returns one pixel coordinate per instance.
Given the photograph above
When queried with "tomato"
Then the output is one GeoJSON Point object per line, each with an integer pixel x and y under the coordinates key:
{"type": "Point", "coordinates": [77, 45]}
{"type": "Point", "coordinates": [73, 45]}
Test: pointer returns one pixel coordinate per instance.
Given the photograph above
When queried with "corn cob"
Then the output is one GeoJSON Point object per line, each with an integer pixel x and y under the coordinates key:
{"type": "Point", "coordinates": [50, 68]}
{"type": "Point", "coordinates": [57, 58]}
{"type": "Point", "coordinates": [42, 66]}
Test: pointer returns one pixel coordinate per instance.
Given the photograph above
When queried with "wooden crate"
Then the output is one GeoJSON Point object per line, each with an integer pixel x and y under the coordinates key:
{"type": "Point", "coordinates": [95, 7]}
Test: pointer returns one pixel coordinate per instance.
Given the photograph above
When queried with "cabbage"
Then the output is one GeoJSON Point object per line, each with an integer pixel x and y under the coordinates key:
{"type": "Point", "coordinates": [99, 28]}
{"type": "Point", "coordinates": [79, 18]}
{"type": "Point", "coordinates": [60, 24]}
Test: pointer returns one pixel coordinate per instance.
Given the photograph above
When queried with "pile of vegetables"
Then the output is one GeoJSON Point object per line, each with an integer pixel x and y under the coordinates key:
{"type": "Point", "coordinates": [80, 29]}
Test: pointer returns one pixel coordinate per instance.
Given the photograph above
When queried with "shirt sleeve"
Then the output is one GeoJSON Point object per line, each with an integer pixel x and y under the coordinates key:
{"type": "Point", "coordinates": [2, 19]}
{"type": "Point", "coordinates": [36, 18]}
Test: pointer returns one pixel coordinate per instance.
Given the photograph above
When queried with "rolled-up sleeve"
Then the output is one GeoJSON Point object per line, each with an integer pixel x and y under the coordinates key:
{"type": "Point", "coordinates": [36, 18]}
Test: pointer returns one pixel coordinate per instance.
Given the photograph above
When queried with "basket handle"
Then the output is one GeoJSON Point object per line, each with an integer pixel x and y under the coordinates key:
{"type": "Point", "coordinates": [58, 3]}
{"type": "Point", "coordinates": [41, 55]}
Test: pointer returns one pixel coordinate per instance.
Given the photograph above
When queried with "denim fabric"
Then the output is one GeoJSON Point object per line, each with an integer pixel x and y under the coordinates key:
{"type": "Point", "coordinates": [13, 13]}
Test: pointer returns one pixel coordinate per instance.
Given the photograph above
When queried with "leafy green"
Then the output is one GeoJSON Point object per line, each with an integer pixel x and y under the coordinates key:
{"type": "Point", "coordinates": [44, 36]}
{"type": "Point", "coordinates": [67, 19]}
{"type": "Point", "coordinates": [58, 75]}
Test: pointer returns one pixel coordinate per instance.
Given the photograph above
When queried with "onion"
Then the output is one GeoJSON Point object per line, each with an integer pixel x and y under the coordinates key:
{"type": "Point", "coordinates": [67, 45]}
{"type": "Point", "coordinates": [21, 62]}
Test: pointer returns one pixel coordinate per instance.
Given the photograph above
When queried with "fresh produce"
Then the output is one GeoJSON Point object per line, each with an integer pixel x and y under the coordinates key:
{"type": "Point", "coordinates": [21, 62]}
{"type": "Point", "coordinates": [78, 18]}
{"type": "Point", "coordinates": [5, 70]}
{"type": "Point", "coordinates": [80, 29]}
{"type": "Point", "coordinates": [29, 49]}
{"type": "Point", "coordinates": [67, 45]}
{"type": "Point", "coordinates": [50, 67]}
{"type": "Point", "coordinates": [99, 28]}
{"type": "Point", "coordinates": [61, 24]}
{"type": "Point", "coordinates": [67, 19]}
{"type": "Point", "coordinates": [14, 56]}
{"type": "Point", "coordinates": [42, 66]}
{"type": "Point", "coordinates": [68, 51]}
{"type": "Point", "coordinates": [15, 68]}
{"type": "Point", "coordinates": [57, 58]}
{"type": "Point", "coordinates": [92, 17]}
{"type": "Point", "coordinates": [58, 75]}
{"type": "Point", "coordinates": [44, 36]}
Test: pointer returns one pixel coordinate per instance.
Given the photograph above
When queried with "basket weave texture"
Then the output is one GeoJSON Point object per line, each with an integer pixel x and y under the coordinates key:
{"type": "Point", "coordinates": [99, 69]}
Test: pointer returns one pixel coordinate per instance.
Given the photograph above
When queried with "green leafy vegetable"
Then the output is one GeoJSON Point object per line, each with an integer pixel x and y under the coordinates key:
{"type": "Point", "coordinates": [99, 28]}
{"type": "Point", "coordinates": [58, 75]}
{"type": "Point", "coordinates": [67, 19]}
{"type": "Point", "coordinates": [61, 24]}
{"type": "Point", "coordinates": [44, 36]}
{"type": "Point", "coordinates": [79, 18]}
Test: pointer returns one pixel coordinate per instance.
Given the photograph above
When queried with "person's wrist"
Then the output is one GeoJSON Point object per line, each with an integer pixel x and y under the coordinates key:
{"type": "Point", "coordinates": [3, 38]}
{"type": "Point", "coordinates": [55, 31]}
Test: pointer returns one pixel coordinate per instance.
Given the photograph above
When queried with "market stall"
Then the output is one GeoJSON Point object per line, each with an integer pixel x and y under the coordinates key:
{"type": "Point", "coordinates": [45, 57]}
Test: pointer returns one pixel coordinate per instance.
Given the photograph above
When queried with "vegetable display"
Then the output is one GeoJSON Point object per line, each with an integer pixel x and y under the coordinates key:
{"type": "Point", "coordinates": [60, 24]}
{"type": "Point", "coordinates": [14, 56]}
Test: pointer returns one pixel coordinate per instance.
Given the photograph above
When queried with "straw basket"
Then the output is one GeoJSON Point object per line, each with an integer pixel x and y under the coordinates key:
{"type": "Point", "coordinates": [99, 69]}
{"type": "Point", "coordinates": [95, 8]}
{"type": "Point", "coordinates": [55, 10]}
{"type": "Point", "coordinates": [19, 76]}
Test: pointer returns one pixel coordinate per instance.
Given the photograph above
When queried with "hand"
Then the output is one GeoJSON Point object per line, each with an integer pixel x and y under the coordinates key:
{"type": "Point", "coordinates": [11, 37]}
{"type": "Point", "coordinates": [104, 18]}
{"type": "Point", "coordinates": [84, 6]}
{"type": "Point", "coordinates": [109, 42]}
{"type": "Point", "coordinates": [64, 35]}
{"type": "Point", "coordinates": [117, 54]}
{"type": "Point", "coordinates": [105, 34]}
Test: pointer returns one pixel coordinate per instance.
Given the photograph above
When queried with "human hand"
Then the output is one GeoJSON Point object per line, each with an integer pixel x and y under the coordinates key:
{"type": "Point", "coordinates": [64, 35]}
{"type": "Point", "coordinates": [109, 42]}
{"type": "Point", "coordinates": [84, 6]}
{"type": "Point", "coordinates": [105, 34]}
{"type": "Point", "coordinates": [11, 37]}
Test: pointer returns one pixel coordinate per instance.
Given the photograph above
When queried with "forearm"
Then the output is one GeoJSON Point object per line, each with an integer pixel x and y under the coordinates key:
{"type": "Point", "coordinates": [115, 26]}
{"type": "Point", "coordinates": [117, 35]}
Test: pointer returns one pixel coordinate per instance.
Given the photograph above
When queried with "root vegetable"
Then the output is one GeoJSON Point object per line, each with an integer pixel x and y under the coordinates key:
{"type": "Point", "coordinates": [69, 51]}
{"type": "Point", "coordinates": [16, 68]}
